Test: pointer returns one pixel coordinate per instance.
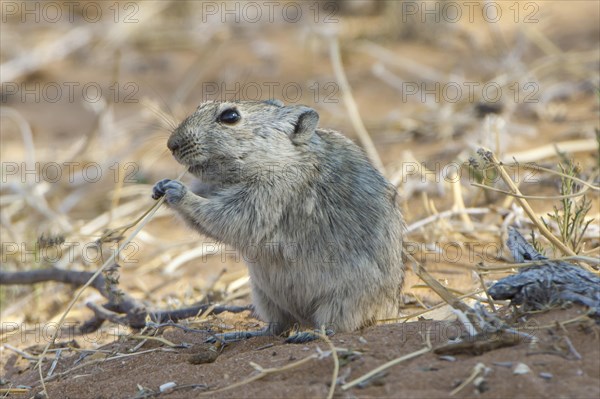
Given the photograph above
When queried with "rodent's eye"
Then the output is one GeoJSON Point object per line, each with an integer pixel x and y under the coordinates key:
{"type": "Point", "coordinates": [229, 116]}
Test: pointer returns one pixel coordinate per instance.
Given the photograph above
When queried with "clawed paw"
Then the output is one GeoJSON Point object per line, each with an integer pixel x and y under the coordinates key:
{"type": "Point", "coordinates": [306, 336]}
{"type": "Point", "coordinates": [172, 190]}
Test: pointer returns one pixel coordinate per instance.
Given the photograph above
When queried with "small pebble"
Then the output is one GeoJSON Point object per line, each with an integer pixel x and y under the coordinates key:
{"type": "Point", "coordinates": [362, 340]}
{"type": "Point", "coordinates": [521, 368]}
{"type": "Point", "coordinates": [503, 364]}
{"type": "Point", "coordinates": [206, 356]}
{"type": "Point", "coordinates": [167, 387]}
{"type": "Point", "coordinates": [447, 358]}
{"type": "Point", "coordinates": [546, 376]}
{"type": "Point", "coordinates": [481, 384]}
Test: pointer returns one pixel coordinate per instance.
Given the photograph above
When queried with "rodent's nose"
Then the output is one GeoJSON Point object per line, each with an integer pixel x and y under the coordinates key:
{"type": "Point", "coordinates": [173, 143]}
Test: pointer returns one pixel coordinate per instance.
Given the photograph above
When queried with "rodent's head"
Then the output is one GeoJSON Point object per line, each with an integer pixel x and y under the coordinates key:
{"type": "Point", "coordinates": [235, 137]}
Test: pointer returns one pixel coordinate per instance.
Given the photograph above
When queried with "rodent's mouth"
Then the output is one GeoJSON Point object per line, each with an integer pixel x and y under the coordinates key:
{"type": "Point", "coordinates": [193, 166]}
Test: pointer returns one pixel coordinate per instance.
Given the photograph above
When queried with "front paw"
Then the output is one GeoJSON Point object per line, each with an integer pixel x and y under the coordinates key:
{"type": "Point", "coordinates": [172, 190]}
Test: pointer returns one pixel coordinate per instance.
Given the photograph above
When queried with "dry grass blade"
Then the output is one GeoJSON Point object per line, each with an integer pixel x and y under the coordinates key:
{"type": "Point", "coordinates": [101, 360]}
{"type": "Point", "coordinates": [490, 157]}
{"type": "Point", "coordinates": [336, 363]}
{"type": "Point", "coordinates": [532, 166]}
{"type": "Point", "coordinates": [23, 354]}
{"type": "Point", "coordinates": [359, 126]}
{"type": "Point", "coordinates": [501, 267]}
{"type": "Point", "coordinates": [186, 256]}
{"type": "Point", "coordinates": [550, 150]}
{"type": "Point", "coordinates": [438, 288]}
{"type": "Point", "coordinates": [151, 338]}
{"type": "Point", "coordinates": [487, 294]}
{"type": "Point", "coordinates": [478, 369]}
{"type": "Point", "coordinates": [434, 307]}
{"type": "Point", "coordinates": [533, 197]}
{"type": "Point", "coordinates": [13, 391]}
{"type": "Point", "coordinates": [562, 324]}
{"type": "Point", "coordinates": [262, 373]}
{"type": "Point", "coordinates": [25, 130]}
{"type": "Point", "coordinates": [387, 365]}
{"type": "Point", "coordinates": [459, 202]}
{"type": "Point", "coordinates": [42, 55]}
{"type": "Point", "coordinates": [446, 214]}
{"type": "Point", "coordinates": [408, 64]}
{"type": "Point", "coordinates": [105, 265]}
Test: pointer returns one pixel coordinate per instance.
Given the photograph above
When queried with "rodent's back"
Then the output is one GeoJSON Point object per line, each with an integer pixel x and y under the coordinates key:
{"type": "Point", "coordinates": [351, 196]}
{"type": "Point", "coordinates": [346, 230]}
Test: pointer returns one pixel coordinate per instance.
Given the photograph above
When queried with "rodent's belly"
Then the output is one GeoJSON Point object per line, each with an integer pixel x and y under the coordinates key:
{"type": "Point", "coordinates": [288, 287]}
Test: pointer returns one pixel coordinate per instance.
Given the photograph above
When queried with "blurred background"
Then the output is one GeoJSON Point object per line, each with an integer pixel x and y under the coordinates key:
{"type": "Point", "coordinates": [91, 89]}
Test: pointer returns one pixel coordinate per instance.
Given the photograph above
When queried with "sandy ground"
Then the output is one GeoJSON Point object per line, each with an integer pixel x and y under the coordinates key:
{"type": "Point", "coordinates": [554, 369]}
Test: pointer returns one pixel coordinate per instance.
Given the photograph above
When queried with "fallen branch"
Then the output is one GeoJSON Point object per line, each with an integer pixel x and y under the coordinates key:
{"type": "Point", "coordinates": [121, 308]}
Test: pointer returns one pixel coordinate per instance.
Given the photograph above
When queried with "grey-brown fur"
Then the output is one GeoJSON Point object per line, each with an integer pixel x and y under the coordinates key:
{"type": "Point", "coordinates": [318, 226]}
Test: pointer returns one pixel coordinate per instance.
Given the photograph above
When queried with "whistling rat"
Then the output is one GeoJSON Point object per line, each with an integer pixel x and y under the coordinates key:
{"type": "Point", "coordinates": [317, 224]}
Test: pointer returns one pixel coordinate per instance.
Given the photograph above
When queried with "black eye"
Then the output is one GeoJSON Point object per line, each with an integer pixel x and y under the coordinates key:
{"type": "Point", "coordinates": [229, 116]}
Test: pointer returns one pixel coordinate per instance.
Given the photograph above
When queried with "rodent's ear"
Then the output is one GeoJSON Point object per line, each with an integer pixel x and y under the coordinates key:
{"type": "Point", "coordinates": [305, 126]}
